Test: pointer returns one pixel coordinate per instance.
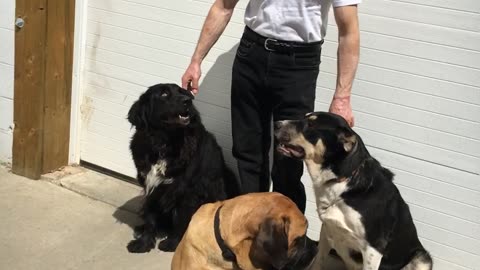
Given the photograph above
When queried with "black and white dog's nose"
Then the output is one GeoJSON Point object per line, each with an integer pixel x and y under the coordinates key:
{"type": "Point", "coordinates": [277, 124]}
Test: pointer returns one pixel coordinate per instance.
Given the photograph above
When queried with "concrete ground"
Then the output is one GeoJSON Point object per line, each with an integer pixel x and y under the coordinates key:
{"type": "Point", "coordinates": [72, 219]}
{"type": "Point", "coordinates": [47, 226]}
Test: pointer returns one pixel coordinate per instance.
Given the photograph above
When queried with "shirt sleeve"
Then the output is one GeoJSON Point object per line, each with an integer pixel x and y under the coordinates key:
{"type": "Point", "coordinates": [341, 3]}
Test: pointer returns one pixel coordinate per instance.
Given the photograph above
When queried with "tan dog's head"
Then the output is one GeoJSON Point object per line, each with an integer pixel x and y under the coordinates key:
{"type": "Point", "coordinates": [282, 243]}
{"type": "Point", "coordinates": [321, 137]}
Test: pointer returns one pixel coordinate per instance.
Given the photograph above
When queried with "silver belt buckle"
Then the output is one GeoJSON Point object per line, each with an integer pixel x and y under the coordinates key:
{"type": "Point", "coordinates": [265, 44]}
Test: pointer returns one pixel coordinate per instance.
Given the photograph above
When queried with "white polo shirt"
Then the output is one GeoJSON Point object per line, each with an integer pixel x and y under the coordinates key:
{"type": "Point", "coordinates": [291, 20]}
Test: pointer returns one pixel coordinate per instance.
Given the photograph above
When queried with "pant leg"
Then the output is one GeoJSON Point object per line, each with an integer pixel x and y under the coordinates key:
{"type": "Point", "coordinates": [292, 79]}
{"type": "Point", "coordinates": [251, 116]}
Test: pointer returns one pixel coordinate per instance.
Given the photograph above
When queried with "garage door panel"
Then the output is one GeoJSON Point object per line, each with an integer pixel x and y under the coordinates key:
{"type": "Point", "coordinates": [157, 56]}
{"type": "Point", "coordinates": [402, 80]}
{"type": "Point", "coordinates": [441, 204]}
{"type": "Point", "coordinates": [199, 8]}
{"type": "Point", "coordinates": [154, 27]}
{"type": "Point", "coordinates": [411, 98]}
{"type": "Point", "coordinates": [414, 48]}
{"type": "Point", "coordinates": [420, 151]}
{"type": "Point", "coordinates": [449, 18]}
{"type": "Point", "coordinates": [422, 32]}
{"type": "Point", "coordinates": [450, 254]}
{"type": "Point", "coordinates": [414, 116]}
{"type": "Point", "coordinates": [418, 134]}
{"type": "Point", "coordinates": [156, 41]}
{"type": "Point", "coordinates": [448, 238]}
{"type": "Point", "coordinates": [465, 5]}
{"type": "Point", "coordinates": [416, 99]}
{"type": "Point", "coordinates": [412, 65]}
{"type": "Point", "coordinates": [444, 221]}
{"type": "Point", "coordinates": [427, 169]}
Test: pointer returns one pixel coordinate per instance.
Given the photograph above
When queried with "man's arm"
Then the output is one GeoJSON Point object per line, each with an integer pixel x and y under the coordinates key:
{"type": "Point", "coordinates": [214, 25]}
{"type": "Point", "coordinates": [348, 55]}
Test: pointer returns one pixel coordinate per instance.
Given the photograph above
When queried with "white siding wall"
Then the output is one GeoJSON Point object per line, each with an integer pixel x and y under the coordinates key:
{"type": "Point", "coordinates": [416, 98]}
{"type": "Point", "coordinates": [7, 14]}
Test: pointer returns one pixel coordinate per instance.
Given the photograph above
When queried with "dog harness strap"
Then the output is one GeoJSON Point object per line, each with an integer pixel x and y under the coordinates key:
{"type": "Point", "coordinates": [227, 253]}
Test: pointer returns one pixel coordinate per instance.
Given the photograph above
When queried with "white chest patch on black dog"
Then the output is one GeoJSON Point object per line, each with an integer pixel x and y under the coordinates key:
{"type": "Point", "coordinates": [156, 176]}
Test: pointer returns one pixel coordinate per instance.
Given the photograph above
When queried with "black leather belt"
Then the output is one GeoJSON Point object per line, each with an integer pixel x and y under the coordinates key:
{"type": "Point", "coordinates": [227, 253]}
{"type": "Point", "coordinates": [275, 45]}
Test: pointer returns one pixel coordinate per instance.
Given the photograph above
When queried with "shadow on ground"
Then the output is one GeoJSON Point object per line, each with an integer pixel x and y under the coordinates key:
{"type": "Point", "coordinates": [128, 212]}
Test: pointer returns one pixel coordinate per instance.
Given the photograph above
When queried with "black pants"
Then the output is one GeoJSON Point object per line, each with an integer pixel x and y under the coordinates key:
{"type": "Point", "coordinates": [264, 84]}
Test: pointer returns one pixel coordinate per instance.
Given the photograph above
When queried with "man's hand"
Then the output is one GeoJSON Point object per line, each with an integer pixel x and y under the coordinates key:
{"type": "Point", "coordinates": [342, 107]}
{"type": "Point", "coordinates": [192, 75]}
{"type": "Point", "coordinates": [216, 21]}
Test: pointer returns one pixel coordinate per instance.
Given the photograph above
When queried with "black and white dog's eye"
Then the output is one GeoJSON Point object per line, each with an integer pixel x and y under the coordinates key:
{"type": "Point", "coordinates": [164, 94]}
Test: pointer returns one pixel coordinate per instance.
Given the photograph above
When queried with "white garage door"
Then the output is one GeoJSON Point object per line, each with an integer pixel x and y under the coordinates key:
{"type": "Point", "coordinates": [416, 98]}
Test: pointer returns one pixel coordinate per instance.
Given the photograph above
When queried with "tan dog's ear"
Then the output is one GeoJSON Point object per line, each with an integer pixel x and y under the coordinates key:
{"type": "Point", "coordinates": [272, 242]}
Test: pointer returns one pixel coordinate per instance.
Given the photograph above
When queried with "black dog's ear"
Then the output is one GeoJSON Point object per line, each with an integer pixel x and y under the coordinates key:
{"type": "Point", "coordinates": [137, 115]}
{"type": "Point", "coordinates": [272, 241]}
{"type": "Point", "coordinates": [348, 139]}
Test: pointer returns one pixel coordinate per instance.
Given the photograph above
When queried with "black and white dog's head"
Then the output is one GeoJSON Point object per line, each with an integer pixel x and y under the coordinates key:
{"type": "Point", "coordinates": [321, 137]}
{"type": "Point", "coordinates": [163, 106]}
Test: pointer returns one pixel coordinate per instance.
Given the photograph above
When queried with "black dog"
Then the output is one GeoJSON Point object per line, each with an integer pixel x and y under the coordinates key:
{"type": "Point", "coordinates": [179, 164]}
{"type": "Point", "coordinates": [364, 217]}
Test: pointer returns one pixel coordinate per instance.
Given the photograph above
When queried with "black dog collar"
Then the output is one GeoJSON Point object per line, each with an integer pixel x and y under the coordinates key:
{"type": "Point", "coordinates": [227, 253]}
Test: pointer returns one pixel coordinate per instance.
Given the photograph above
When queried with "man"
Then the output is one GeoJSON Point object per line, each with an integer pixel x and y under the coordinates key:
{"type": "Point", "coordinates": [274, 74]}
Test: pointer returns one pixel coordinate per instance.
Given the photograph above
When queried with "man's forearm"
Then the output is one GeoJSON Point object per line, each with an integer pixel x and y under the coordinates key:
{"type": "Point", "coordinates": [215, 23]}
{"type": "Point", "coordinates": [347, 55]}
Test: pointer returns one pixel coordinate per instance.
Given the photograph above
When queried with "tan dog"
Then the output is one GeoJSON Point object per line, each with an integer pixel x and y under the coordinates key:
{"type": "Point", "coordinates": [253, 231]}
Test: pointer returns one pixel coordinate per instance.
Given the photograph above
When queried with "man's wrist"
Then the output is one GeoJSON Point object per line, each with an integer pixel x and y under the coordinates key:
{"type": "Point", "coordinates": [196, 60]}
{"type": "Point", "coordinates": [342, 97]}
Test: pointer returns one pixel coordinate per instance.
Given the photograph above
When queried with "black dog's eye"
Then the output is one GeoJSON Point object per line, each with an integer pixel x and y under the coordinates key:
{"type": "Point", "coordinates": [164, 94]}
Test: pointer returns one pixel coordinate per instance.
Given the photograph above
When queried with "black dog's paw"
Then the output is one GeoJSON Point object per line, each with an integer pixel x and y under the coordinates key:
{"type": "Point", "coordinates": [138, 231]}
{"type": "Point", "coordinates": [140, 245]}
{"type": "Point", "coordinates": [168, 244]}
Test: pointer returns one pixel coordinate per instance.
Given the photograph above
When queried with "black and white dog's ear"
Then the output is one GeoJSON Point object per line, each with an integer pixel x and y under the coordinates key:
{"type": "Point", "coordinates": [348, 138]}
{"type": "Point", "coordinates": [272, 240]}
{"type": "Point", "coordinates": [137, 115]}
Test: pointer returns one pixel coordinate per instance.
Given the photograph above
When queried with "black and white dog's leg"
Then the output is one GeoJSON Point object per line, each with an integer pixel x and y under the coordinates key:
{"type": "Point", "coordinates": [146, 240]}
{"type": "Point", "coordinates": [371, 258]}
{"type": "Point", "coordinates": [323, 251]}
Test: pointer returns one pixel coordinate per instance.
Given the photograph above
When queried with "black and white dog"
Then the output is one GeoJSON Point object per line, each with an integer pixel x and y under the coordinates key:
{"type": "Point", "coordinates": [364, 218]}
{"type": "Point", "coordinates": [179, 164]}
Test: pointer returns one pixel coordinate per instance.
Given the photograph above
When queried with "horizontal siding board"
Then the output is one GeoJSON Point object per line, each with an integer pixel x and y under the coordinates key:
{"type": "Point", "coordinates": [408, 98]}
{"type": "Point", "coordinates": [448, 238]}
{"type": "Point", "coordinates": [421, 151]}
{"type": "Point", "coordinates": [426, 168]}
{"type": "Point", "coordinates": [450, 254]}
{"type": "Point", "coordinates": [422, 32]}
{"type": "Point", "coordinates": [414, 48]}
{"type": "Point", "coordinates": [445, 221]}
{"type": "Point", "coordinates": [448, 18]}
{"type": "Point", "coordinates": [413, 65]}
{"type": "Point", "coordinates": [443, 205]}
{"type": "Point", "coordinates": [408, 81]}
{"type": "Point", "coordinates": [465, 5]}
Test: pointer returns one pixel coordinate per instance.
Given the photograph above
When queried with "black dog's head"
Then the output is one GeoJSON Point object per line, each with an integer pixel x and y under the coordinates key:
{"type": "Point", "coordinates": [320, 136]}
{"type": "Point", "coordinates": [163, 106]}
{"type": "Point", "coordinates": [283, 244]}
